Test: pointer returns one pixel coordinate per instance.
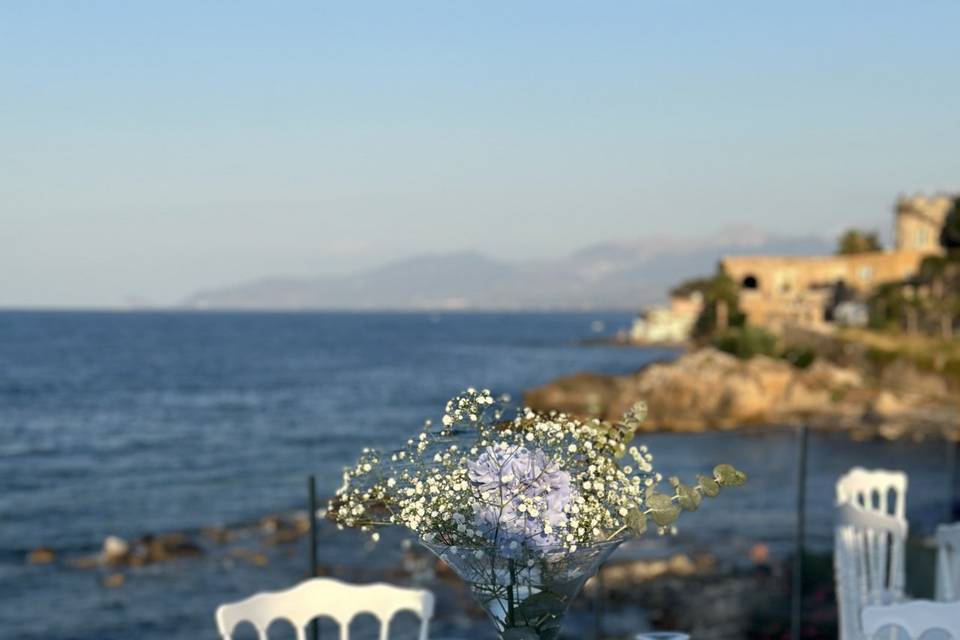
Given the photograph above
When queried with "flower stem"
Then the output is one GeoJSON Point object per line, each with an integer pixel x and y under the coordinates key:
{"type": "Point", "coordinates": [617, 532]}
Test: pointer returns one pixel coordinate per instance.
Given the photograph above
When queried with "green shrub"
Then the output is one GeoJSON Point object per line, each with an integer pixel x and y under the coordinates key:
{"type": "Point", "coordinates": [857, 241]}
{"type": "Point", "coordinates": [746, 342]}
{"type": "Point", "coordinates": [880, 358]}
{"type": "Point", "coordinates": [719, 288]}
{"type": "Point", "coordinates": [800, 357]}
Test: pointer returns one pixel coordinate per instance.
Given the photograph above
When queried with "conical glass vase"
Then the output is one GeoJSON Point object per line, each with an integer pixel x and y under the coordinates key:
{"type": "Point", "coordinates": [525, 591]}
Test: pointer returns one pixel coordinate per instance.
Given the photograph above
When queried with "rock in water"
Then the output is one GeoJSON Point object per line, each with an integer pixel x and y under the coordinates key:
{"type": "Point", "coordinates": [114, 580]}
{"type": "Point", "coordinates": [41, 555]}
{"type": "Point", "coordinates": [116, 550]}
{"type": "Point", "coordinates": [255, 558]}
{"type": "Point", "coordinates": [169, 546]}
{"type": "Point", "coordinates": [283, 530]}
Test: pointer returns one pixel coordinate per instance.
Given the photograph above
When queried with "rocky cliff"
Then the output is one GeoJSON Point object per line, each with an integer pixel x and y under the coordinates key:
{"type": "Point", "coordinates": [708, 389]}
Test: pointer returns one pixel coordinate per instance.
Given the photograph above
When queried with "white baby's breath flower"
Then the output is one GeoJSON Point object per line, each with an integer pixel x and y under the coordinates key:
{"type": "Point", "coordinates": [440, 495]}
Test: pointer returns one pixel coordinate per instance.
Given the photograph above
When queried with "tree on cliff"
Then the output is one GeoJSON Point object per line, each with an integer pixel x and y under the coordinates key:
{"type": "Point", "coordinates": [950, 234]}
{"type": "Point", "coordinates": [720, 298]}
{"type": "Point", "coordinates": [929, 302]}
{"type": "Point", "coordinates": [944, 275]}
{"type": "Point", "coordinates": [857, 241]}
{"type": "Point", "coordinates": [888, 306]}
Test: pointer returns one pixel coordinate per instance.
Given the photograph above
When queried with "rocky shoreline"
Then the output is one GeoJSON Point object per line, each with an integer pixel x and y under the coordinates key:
{"type": "Point", "coordinates": [707, 389]}
{"type": "Point", "coordinates": [696, 591]}
{"type": "Point", "coordinates": [712, 595]}
{"type": "Point", "coordinates": [246, 542]}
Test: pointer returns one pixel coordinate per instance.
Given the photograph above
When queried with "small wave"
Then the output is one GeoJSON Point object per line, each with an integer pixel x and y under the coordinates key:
{"type": "Point", "coordinates": [23, 449]}
{"type": "Point", "coordinates": [18, 389]}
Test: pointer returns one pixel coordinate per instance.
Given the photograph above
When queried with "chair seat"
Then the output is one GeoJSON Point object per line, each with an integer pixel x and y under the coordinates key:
{"type": "Point", "coordinates": [916, 617]}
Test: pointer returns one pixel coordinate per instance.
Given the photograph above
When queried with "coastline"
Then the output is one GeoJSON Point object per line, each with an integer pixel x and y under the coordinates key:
{"type": "Point", "coordinates": [709, 390]}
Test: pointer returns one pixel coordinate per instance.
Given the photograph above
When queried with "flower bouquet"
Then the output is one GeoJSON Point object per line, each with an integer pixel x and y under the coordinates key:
{"type": "Point", "coordinates": [523, 506]}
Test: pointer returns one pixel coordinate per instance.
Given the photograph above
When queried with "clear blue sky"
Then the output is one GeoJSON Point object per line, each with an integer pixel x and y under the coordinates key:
{"type": "Point", "coordinates": [151, 149]}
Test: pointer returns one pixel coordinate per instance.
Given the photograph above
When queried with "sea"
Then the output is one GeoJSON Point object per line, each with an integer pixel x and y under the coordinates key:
{"type": "Point", "coordinates": [134, 423]}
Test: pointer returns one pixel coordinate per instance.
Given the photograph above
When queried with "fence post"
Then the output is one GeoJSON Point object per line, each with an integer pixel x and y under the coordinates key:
{"type": "Point", "coordinates": [598, 605]}
{"type": "Point", "coordinates": [951, 476]}
{"type": "Point", "coordinates": [312, 553]}
{"type": "Point", "coordinates": [796, 625]}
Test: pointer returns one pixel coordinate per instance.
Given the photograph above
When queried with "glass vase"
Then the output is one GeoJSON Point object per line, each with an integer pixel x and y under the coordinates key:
{"type": "Point", "coordinates": [526, 592]}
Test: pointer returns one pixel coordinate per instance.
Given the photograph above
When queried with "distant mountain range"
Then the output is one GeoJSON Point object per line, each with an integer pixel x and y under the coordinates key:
{"type": "Point", "coordinates": [616, 275]}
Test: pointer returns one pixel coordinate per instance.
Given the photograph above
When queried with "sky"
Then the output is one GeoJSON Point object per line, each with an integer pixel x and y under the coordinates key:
{"type": "Point", "coordinates": [149, 150]}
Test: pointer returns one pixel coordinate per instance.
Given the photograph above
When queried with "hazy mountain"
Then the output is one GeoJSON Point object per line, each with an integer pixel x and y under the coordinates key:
{"type": "Point", "coordinates": [616, 275]}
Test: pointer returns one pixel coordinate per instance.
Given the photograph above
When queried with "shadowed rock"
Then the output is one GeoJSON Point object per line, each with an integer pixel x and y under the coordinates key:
{"type": "Point", "coordinates": [41, 555]}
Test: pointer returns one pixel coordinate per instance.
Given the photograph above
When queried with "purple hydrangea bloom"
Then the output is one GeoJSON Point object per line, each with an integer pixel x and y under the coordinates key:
{"type": "Point", "coordinates": [508, 477]}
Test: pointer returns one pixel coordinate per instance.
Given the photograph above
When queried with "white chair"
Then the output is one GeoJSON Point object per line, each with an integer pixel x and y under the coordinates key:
{"type": "Point", "coordinates": [326, 597]}
{"type": "Point", "coordinates": [916, 618]}
{"type": "Point", "coordinates": [948, 562]}
{"type": "Point", "coordinates": [871, 489]}
{"type": "Point", "coordinates": [869, 544]}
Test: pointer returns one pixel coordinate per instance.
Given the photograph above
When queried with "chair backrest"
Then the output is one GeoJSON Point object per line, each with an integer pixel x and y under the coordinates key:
{"type": "Point", "coordinates": [916, 618]}
{"type": "Point", "coordinates": [326, 597]}
{"type": "Point", "coordinates": [872, 490]}
{"type": "Point", "coordinates": [948, 562]}
{"type": "Point", "coordinates": [869, 549]}
{"type": "Point", "coordinates": [879, 492]}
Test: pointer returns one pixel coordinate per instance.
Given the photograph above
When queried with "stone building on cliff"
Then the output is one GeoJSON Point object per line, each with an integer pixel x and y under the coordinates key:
{"type": "Point", "coordinates": [668, 325]}
{"type": "Point", "coordinates": [779, 290]}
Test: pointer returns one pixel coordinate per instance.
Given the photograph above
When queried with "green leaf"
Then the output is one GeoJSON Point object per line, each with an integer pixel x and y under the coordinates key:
{"type": "Point", "coordinates": [688, 497]}
{"type": "Point", "coordinates": [663, 509]}
{"type": "Point", "coordinates": [635, 415]}
{"type": "Point", "coordinates": [727, 476]}
{"type": "Point", "coordinates": [708, 486]}
{"type": "Point", "coordinates": [637, 522]}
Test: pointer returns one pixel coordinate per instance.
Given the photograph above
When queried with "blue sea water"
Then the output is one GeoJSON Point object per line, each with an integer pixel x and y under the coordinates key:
{"type": "Point", "coordinates": [130, 423]}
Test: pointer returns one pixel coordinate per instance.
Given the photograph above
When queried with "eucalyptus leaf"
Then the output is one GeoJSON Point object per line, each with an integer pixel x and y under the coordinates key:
{"type": "Point", "coordinates": [708, 486]}
{"type": "Point", "coordinates": [635, 415]}
{"type": "Point", "coordinates": [637, 522]}
{"type": "Point", "coordinates": [619, 431]}
{"type": "Point", "coordinates": [727, 476]}
{"type": "Point", "coordinates": [663, 509]}
{"type": "Point", "coordinates": [688, 497]}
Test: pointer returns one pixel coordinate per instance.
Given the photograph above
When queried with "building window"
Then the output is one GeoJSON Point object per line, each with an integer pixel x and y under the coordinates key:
{"type": "Point", "coordinates": [866, 273]}
{"type": "Point", "coordinates": [750, 282]}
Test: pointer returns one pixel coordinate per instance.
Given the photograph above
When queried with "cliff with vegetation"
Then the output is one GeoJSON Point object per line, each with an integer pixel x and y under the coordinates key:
{"type": "Point", "coordinates": [788, 353]}
{"type": "Point", "coordinates": [709, 389]}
